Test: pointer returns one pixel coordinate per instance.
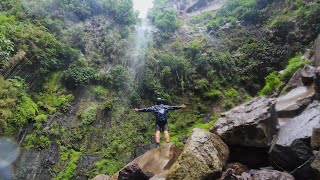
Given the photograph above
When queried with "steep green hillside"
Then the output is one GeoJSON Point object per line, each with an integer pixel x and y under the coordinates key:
{"type": "Point", "coordinates": [243, 39]}
{"type": "Point", "coordinates": [67, 87]}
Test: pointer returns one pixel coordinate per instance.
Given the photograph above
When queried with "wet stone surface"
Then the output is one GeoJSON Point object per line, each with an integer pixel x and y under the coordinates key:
{"type": "Point", "coordinates": [291, 147]}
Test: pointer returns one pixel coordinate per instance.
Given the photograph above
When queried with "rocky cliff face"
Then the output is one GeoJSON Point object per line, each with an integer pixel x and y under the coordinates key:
{"type": "Point", "coordinates": [190, 8]}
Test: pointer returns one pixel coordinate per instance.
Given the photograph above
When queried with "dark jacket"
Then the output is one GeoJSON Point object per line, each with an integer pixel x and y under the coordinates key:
{"type": "Point", "coordinates": [160, 111]}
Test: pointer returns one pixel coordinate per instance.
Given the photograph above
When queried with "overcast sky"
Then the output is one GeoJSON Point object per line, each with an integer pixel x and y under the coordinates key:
{"type": "Point", "coordinates": [142, 6]}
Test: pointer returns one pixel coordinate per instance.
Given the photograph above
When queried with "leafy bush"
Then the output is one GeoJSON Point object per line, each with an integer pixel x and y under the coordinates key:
{"type": "Point", "coordinates": [53, 95]}
{"type": "Point", "coordinates": [68, 172]}
{"type": "Point", "coordinates": [109, 166]}
{"type": "Point", "coordinates": [167, 22]}
{"type": "Point", "coordinates": [43, 142]}
{"type": "Point", "coordinates": [47, 52]}
{"type": "Point", "coordinates": [232, 93]}
{"type": "Point", "coordinates": [213, 94]}
{"type": "Point", "coordinates": [30, 140]}
{"type": "Point", "coordinates": [273, 83]}
{"type": "Point", "coordinates": [41, 118]}
{"type": "Point", "coordinates": [202, 85]}
{"type": "Point", "coordinates": [16, 106]}
{"type": "Point", "coordinates": [294, 64]}
{"type": "Point", "coordinates": [119, 77]}
{"type": "Point", "coordinates": [99, 91]}
{"type": "Point", "coordinates": [77, 75]}
{"type": "Point", "coordinates": [108, 105]}
{"type": "Point", "coordinates": [89, 115]}
{"type": "Point", "coordinates": [228, 104]}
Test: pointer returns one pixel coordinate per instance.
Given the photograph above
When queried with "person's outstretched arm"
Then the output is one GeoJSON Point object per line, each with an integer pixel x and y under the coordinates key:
{"type": "Point", "coordinates": [149, 109]}
{"type": "Point", "coordinates": [183, 106]}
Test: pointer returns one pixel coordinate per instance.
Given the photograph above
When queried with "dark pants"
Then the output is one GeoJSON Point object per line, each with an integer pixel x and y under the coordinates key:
{"type": "Point", "coordinates": [161, 126]}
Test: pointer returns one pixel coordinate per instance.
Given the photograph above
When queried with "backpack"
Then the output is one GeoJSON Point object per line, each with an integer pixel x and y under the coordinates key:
{"type": "Point", "coordinates": [161, 114]}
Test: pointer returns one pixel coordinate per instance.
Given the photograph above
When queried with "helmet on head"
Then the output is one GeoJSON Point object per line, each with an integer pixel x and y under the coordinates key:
{"type": "Point", "coordinates": [159, 101]}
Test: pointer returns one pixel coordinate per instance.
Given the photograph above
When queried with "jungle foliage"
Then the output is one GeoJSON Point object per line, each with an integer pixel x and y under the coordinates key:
{"type": "Point", "coordinates": [65, 77]}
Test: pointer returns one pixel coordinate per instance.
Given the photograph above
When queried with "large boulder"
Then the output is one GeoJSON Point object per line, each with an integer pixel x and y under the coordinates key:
{"type": "Point", "coordinates": [252, 124]}
{"type": "Point", "coordinates": [266, 174]}
{"type": "Point", "coordinates": [101, 177]}
{"type": "Point", "coordinates": [317, 52]}
{"type": "Point", "coordinates": [317, 83]}
{"type": "Point", "coordinates": [316, 165]}
{"type": "Point", "coordinates": [291, 148]}
{"type": "Point", "coordinates": [293, 103]}
{"type": "Point", "coordinates": [307, 74]}
{"type": "Point", "coordinates": [204, 156]}
{"type": "Point", "coordinates": [132, 172]}
{"type": "Point", "coordinates": [315, 138]}
{"type": "Point", "coordinates": [234, 173]}
{"type": "Point", "coordinates": [294, 82]}
{"type": "Point", "coordinates": [305, 171]}
{"type": "Point", "coordinates": [155, 161]}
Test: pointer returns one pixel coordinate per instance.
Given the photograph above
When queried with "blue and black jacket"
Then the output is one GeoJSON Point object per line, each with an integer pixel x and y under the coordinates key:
{"type": "Point", "coordinates": [160, 111]}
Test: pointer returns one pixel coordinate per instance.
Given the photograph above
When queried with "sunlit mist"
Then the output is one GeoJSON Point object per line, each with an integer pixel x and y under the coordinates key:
{"type": "Point", "coordinates": [142, 6]}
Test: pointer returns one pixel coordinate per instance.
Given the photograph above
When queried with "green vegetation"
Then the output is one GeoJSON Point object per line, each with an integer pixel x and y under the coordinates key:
{"type": "Point", "coordinates": [78, 75]}
{"type": "Point", "coordinates": [294, 64]}
{"type": "Point", "coordinates": [213, 94]}
{"type": "Point", "coordinates": [274, 80]}
{"type": "Point", "coordinates": [165, 19]}
{"type": "Point", "coordinates": [89, 115]}
{"type": "Point", "coordinates": [261, 36]}
{"type": "Point", "coordinates": [53, 95]}
{"type": "Point", "coordinates": [181, 124]}
{"type": "Point", "coordinates": [65, 71]}
{"type": "Point", "coordinates": [273, 83]}
{"type": "Point", "coordinates": [68, 172]}
{"type": "Point", "coordinates": [16, 106]}
{"type": "Point", "coordinates": [33, 141]}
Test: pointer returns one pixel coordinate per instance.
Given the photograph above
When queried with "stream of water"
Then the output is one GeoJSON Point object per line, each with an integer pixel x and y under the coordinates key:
{"type": "Point", "coordinates": [141, 37]}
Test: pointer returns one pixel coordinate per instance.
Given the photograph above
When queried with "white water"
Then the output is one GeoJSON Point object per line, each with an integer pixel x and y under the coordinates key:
{"type": "Point", "coordinates": [141, 37]}
{"type": "Point", "coordinates": [9, 151]}
{"type": "Point", "coordinates": [142, 6]}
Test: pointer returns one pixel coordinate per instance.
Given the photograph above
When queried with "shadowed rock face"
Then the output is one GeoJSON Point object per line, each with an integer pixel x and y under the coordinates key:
{"type": "Point", "coordinates": [204, 155]}
{"type": "Point", "coordinates": [157, 160]}
{"type": "Point", "coordinates": [317, 52]}
{"type": "Point", "coordinates": [252, 124]}
{"type": "Point", "coordinates": [292, 103]}
{"type": "Point", "coordinates": [132, 172]}
{"type": "Point", "coordinates": [41, 162]}
{"type": "Point", "coordinates": [291, 147]}
{"type": "Point", "coordinates": [251, 156]}
{"type": "Point", "coordinates": [317, 83]}
{"type": "Point", "coordinates": [316, 165]}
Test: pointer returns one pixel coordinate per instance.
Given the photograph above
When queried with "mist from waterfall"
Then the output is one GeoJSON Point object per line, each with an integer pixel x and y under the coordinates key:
{"type": "Point", "coordinates": [140, 38]}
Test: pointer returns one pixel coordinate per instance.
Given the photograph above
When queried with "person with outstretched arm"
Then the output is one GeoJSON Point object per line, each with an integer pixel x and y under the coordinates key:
{"type": "Point", "coordinates": [160, 110]}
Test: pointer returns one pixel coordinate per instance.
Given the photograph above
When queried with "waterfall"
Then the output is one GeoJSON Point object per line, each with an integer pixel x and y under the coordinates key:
{"type": "Point", "coordinates": [140, 38]}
